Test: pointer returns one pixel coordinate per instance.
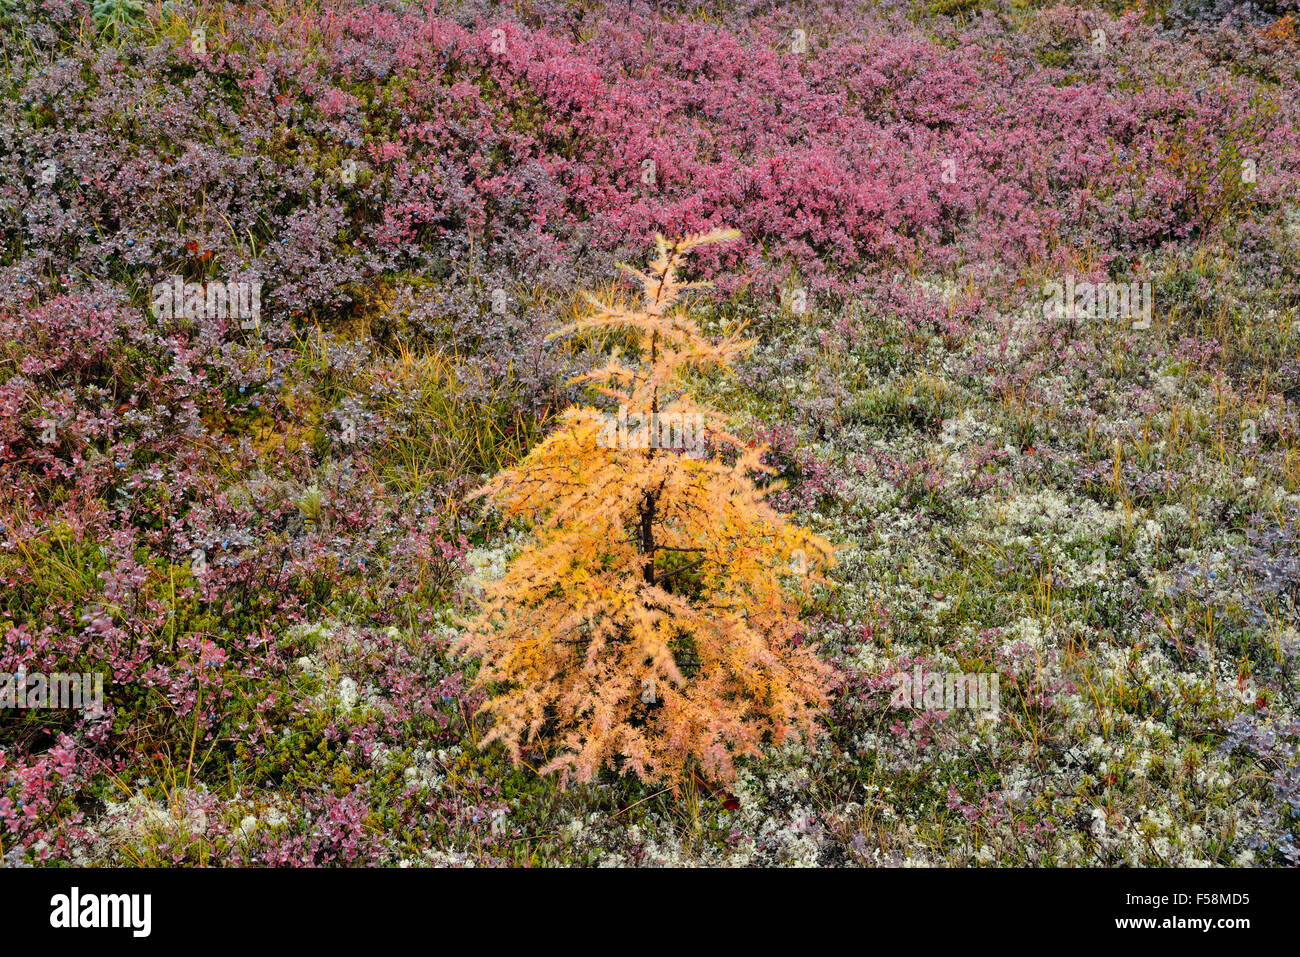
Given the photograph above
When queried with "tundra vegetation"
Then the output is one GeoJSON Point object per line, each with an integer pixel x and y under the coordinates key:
{"type": "Point", "coordinates": [312, 331]}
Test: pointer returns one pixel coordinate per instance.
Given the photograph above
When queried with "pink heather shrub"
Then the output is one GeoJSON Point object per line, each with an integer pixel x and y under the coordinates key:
{"type": "Point", "coordinates": [877, 149]}
{"type": "Point", "coordinates": [155, 453]}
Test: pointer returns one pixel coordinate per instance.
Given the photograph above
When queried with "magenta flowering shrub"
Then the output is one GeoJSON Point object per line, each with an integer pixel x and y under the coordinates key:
{"type": "Point", "coordinates": [156, 528]}
{"type": "Point", "coordinates": [407, 139]}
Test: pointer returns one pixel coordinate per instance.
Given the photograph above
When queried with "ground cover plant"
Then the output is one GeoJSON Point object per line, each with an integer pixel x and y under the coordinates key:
{"type": "Point", "coordinates": [985, 552]}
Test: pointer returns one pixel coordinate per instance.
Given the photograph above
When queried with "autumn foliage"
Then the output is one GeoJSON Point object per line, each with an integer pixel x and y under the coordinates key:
{"type": "Point", "coordinates": [652, 627]}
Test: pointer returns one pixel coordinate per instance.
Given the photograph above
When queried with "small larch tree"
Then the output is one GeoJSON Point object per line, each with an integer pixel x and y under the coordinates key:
{"type": "Point", "coordinates": [652, 627]}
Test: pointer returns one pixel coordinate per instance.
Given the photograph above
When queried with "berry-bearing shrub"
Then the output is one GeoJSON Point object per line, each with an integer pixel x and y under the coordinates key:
{"type": "Point", "coordinates": [652, 628]}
